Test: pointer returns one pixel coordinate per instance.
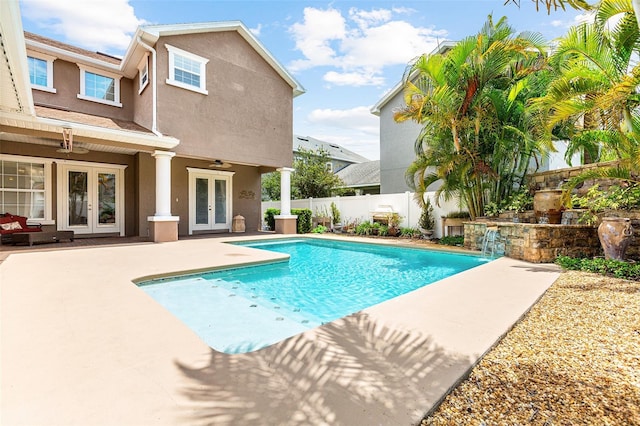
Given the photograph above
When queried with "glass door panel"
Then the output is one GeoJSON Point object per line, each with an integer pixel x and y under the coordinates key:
{"type": "Point", "coordinates": [221, 201]}
{"type": "Point", "coordinates": [106, 199]}
{"type": "Point", "coordinates": [94, 199]}
{"type": "Point", "coordinates": [202, 201]}
{"type": "Point", "coordinates": [78, 198]}
{"type": "Point", "coordinates": [209, 200]}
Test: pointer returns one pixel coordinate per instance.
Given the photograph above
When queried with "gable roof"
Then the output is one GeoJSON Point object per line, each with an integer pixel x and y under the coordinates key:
{"type": "Point", "coordinates": [335, 151]}
{"type": "Point", "coordinates": [443, 47]}
{"type": "Point", "coordinates": [360, 175]}
{"type": "Point", "coordinates": [36, 40]}
{"type": "Point", "coordinates": [151, 33]}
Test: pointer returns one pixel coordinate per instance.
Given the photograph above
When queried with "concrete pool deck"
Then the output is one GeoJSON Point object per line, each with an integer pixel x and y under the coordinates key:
{"type": "Point", "coordinates": [81, 344]}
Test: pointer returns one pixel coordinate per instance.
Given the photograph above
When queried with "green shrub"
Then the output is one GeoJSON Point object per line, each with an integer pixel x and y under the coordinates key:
{"type": "Point", "coordinates": [383, 230]}
{"type": "Point", "coordinates": [269, 217]}
{"type": "Point", "coordinates": [409, 232]}
{"type": "Point", "coordinates": [335, 214]}
{"type": "Point", "coordinates": [320, 229]}
{"type": "Point", "coordinates": [304, 220]}
{"type": "Point", "coordinates": [303, 223]}
{"type": "Point", "coordinates": [364, 228]}
{"type": "Point", "coordinates": [427, 220]}
{"type": "Point", "coordinates": [452, 240]}
{"type": "Point", "coordinates": [609, 267]}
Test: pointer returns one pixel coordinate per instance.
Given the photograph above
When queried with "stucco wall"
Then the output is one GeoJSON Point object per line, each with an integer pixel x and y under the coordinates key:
{"type": "Point", "coordinates": [247, 116]}
{"type": "Point", "coordinates": [143, 102]}
{"type": "Point", "coordinates": [245, 195]}
{"type": "Point", "coordinates": [146, 180]}
{"type": "Point", "coordinates": [66, 81]}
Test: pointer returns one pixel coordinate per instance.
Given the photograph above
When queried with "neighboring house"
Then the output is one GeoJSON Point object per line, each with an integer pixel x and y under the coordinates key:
{"type": "Point", "coordinates": [397, 140]}
{"type": "Point", "coordinates": [339, 156]}
{"type": "Point", "coordinates": [156, 143]}
{"type": "Point", "coordinates": [361, 178]}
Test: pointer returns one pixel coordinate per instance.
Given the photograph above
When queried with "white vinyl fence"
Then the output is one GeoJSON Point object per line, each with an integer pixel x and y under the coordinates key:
{"type": "Point", "coordinates": [361, 207]}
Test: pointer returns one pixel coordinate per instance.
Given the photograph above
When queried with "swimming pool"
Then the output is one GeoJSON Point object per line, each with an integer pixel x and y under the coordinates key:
{"type": "Point", "coordinates": [245, 309]}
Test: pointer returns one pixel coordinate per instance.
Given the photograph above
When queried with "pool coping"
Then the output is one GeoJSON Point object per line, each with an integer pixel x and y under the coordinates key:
{"type": "Point", "coordinates": [81, 344]}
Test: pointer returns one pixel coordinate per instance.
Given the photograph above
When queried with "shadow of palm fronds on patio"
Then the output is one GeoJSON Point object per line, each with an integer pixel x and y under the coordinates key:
{"type": "Point", "coordinates": [353, 371]}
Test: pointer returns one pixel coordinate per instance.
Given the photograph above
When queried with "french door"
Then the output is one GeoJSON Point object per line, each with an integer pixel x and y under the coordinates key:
{"type": "Point", "coordinates": [91, 198]}
{"type": "Point", "coordinates": [210, 203]}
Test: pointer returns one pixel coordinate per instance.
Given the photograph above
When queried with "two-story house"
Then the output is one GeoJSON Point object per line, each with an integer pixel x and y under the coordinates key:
{"type": "Point", "coordinates": [171, 139]}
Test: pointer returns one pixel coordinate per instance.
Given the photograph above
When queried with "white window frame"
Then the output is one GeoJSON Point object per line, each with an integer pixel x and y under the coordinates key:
{"type": "Point", "coordinates": [143, 71]}
{"type": "Point", "coordinates": [49, 59]}
{"type": "Point", "coordinates": [116, 78]}
{"type": "Point", "coordinates": [48, 186]}
{"type": "Point", "coordinates": [203, 70]}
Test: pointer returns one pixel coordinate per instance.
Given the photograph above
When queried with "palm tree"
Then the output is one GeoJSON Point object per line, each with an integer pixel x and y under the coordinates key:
{"type": "Point", "coordinates": [594, 90]}
{"type": "Point", "coordinates": [470, 102]}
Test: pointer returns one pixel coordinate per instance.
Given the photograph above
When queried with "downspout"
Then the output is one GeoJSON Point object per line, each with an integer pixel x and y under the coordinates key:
{"type": "Point", "coordinates": [154, 102]}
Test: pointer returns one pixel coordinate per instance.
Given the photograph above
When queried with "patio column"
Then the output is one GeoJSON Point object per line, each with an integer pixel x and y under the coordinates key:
{"type": "Point", "coordinates": [285, 221]}
{"type": "Point", "coordinates": [162, 225]}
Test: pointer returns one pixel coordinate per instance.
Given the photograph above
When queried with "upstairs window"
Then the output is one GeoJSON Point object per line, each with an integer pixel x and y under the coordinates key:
{"type": "Point", "coordinates": [143, 73]}
{"type": "Point", "coordinates": [98, 86]}
{"type": "Point", "coordinates": [187, 70]}
{"type": "Point", "coordinates": [41, 71]}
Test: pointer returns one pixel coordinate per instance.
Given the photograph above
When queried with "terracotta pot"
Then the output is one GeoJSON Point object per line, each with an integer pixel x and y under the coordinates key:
{"type": "Point", "coordinates": [547, 203]}
{"type": "Point", "coordinates": [615, 235]}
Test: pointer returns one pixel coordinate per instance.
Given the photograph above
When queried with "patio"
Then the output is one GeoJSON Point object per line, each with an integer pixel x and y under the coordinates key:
{"type": "Point", "coordinates": [82, 345]}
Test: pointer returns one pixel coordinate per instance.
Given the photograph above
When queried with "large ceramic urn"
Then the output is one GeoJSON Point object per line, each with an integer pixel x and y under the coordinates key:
{"type": "Point", "coordinates": [615, 235]}
{"type": "Point", "coordinates": [548, 206]}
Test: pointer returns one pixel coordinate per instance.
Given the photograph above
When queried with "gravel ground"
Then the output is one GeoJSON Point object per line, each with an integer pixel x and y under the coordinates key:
{"type": "Point", "coordinates": [574, 359]}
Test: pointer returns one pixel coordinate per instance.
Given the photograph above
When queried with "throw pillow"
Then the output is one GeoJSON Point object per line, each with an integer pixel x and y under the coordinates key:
{"type": "Point", "coordinates": [11, 226]}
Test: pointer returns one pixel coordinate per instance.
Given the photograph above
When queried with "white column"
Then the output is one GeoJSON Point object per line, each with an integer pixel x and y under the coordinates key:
{"type": "Point", "coordinates": [285, 191]}
{"type": "Point", "coordinates": [163, 183]}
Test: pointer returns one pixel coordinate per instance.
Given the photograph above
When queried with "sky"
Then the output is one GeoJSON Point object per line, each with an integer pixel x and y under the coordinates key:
{"type": "Point", "coordinates": [346, 54]}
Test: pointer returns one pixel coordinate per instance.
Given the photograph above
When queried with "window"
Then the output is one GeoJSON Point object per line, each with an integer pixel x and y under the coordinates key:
{"type": "Point", "coordinates": [41, 71]}
{"type": "Point", "coordinates": [25, 187]}
{"type": "Point", "coordinates": [143, 73]}
{"type": "Point", "coordinates": [99, 86]}
{"type": "Point", "coordinates": [187, 70]}
{"type": "Point", "coordinates": [329, 166]}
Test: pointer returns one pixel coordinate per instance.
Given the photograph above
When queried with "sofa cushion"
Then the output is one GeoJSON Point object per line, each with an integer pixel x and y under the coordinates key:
{"type": "Point", "coordinates": [8, 224]}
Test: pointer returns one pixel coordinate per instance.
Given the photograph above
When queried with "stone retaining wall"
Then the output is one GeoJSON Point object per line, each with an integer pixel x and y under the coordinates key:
{"type": "Point", "coordinates": [553, 179]}
{"type": "Point", "coordinates": [534, 242]}
{"type": "Point", "coordinates": [539, 243]}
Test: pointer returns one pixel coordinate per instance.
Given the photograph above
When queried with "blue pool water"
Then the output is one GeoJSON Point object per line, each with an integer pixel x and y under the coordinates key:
{"type": "Point", "coordinates": [245, 309]}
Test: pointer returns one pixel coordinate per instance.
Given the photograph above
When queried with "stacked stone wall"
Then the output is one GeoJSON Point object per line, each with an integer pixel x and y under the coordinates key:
{"type": "Point", "coordinates": [536, 243]}
{"type": "Point", "coordinates": [554, 179]}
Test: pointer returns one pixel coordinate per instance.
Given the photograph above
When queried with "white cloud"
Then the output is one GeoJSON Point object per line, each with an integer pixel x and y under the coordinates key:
{"type": "Point", "coordinates": [360, 45]}
{"type": "Point", "coordinates": [95, 25]}
{"type": "Point", "coordinates": [256, 31]}
{"type": "Point", "coordinates": [353, 79]}
{"type": "Point", "coordinates": [358, 118]}
{"type": "Point", "coordinates": [365, 19]}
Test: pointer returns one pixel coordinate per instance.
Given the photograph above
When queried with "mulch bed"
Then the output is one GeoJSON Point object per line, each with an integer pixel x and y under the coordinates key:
{"type": "Point", "coordinates": [574, 359]}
